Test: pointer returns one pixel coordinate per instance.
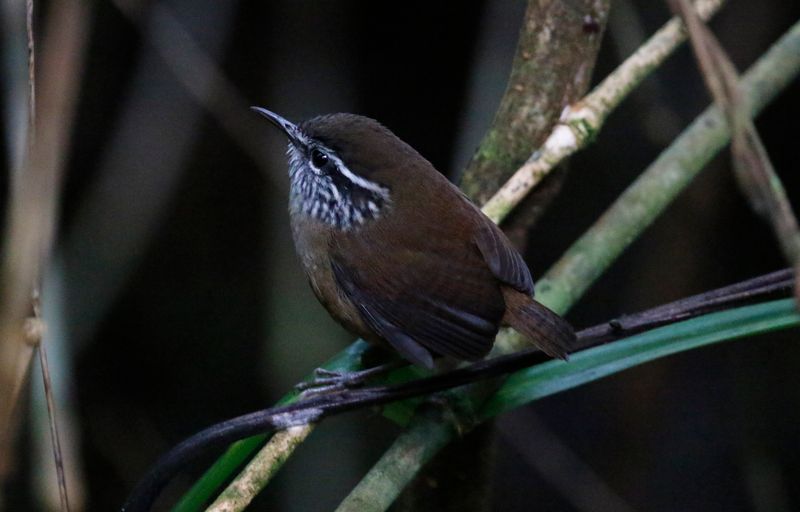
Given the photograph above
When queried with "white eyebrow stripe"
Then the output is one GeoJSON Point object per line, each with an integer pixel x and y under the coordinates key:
{"type": "Point", "coordinates": [355, 178]}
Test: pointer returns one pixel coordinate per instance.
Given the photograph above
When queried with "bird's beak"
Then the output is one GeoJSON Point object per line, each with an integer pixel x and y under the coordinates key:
{"type": "Point", "coordinates": [290, 129]}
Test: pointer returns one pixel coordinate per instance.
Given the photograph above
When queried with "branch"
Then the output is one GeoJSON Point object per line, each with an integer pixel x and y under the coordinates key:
{"type": "Point", "coordinates": [633, 211]}
{"type": "Point", "coordinates": [548, 72]}
{"type": "Point", "coordinates": [664, 179]}
{"type": "Point", "coordinates": [742, 293]}
{"type": "Point", "coordinates": [555, 55]}
{"type": "Point", "coordinates": [580, 123]}
{"type": "Point", "coordinates": [258, 472]}
{"type": "Point", "coordinates": [58, 458]}
{"type": "Point", "coordinates": [552, 68]}
{"type": "Point", "coordinates": [302, 414]}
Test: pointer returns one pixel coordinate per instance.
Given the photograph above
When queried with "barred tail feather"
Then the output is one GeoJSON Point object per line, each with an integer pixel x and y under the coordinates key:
{"type": "Point", "coordinates": [549, 332]}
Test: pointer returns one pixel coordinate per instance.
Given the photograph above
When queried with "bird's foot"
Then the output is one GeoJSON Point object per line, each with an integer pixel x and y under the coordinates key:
{"type": "Point", "coordinates": [329, 381]}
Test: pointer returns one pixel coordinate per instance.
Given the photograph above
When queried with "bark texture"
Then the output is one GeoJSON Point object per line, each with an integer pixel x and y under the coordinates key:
{"type": "Point", "coordinates": [552, 68]}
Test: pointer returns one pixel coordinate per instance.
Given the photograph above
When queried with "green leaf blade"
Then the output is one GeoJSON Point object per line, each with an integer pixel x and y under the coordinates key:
{"type": "Point", "coordinates": [589, 365]}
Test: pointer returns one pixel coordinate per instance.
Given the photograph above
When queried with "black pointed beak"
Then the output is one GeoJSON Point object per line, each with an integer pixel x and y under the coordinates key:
{"type": "Point", "coordinates": [287, 127]}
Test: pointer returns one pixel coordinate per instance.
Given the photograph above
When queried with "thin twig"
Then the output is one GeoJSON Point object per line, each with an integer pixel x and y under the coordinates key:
{"type": "Point", "coordinates": [755, 174]}
{"type": "Point", "coordinates": [38, 330]}
{"type": "Point", "coordinates": [314, 409]}
{"type": "Point", "coordinates": [37, 336]}
{"type": "Point", "coordinates": [58, 458]}
{"type": "Point", "coordinates": [745, 292]}
{"type": "Point", "coordinates": [31, 73]}
{"type": "Point", "coordinates": [580, 123]}
{"type": "Point", "coordinates": [33, 204]}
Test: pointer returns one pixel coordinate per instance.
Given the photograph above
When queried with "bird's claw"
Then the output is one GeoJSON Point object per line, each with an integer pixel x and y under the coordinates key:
{"type": "Point", "coordinates": [331, 381]}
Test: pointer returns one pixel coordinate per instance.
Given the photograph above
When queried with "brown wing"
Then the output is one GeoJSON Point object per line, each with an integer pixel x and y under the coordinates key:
{"type": "Point", "coordinates": [548, 331]}
{"type": "Point", "coordinates": [502, 258]}
{"type": "Point", "coordinates": [426, 291]}
{"type": "Point", "coordinates": [426, 305]}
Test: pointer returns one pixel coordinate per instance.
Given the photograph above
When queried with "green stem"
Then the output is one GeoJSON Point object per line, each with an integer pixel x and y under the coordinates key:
{"type": "Point", "coordinates": [389, 476]}
{"type": "Point", "coordinates": [239, 494]}
{"type": "Point", "coordinates": [595, 251]}
{"type": "Point", "coordinates": [381, 486]}
{"type": "Point", "coordinates": [238, 453]}
{"type": "Point", "coordinates": [581, 121]}
{"type": "Point", "coordinates": [655, 189]}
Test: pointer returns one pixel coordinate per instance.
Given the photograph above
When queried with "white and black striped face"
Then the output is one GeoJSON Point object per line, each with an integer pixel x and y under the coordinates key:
{"type": "Point", "coordinates": [323, 187]}
{"type": "Point", "coordinates": [322, 184]}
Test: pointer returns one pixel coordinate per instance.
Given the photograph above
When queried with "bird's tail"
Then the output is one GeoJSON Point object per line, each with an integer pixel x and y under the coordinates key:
{"type": "Point", "coordinates": [549, 332]}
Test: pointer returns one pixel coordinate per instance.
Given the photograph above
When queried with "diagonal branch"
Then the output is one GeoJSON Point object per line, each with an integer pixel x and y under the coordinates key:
{"type": "Point", "coordinates": [580, 122]}
{"type": "Point", "coordinates": [556, 52]}
{"type": "Point", "coordinates": [295, 417]}
{"type": "Point", "coordinates": [269, 459]}
{"type": "Point", "coordinates": [55, 438]}
{"type": "Point", "coordinates": [754, 171]}
{"type": "Point", "coordinates": [668, 175]}
{"type": "Point", "coordinates": [587, 259]}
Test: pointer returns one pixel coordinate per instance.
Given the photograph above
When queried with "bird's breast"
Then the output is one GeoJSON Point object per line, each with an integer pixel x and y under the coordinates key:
{"type": "Point", "coordinates": [313, 239]}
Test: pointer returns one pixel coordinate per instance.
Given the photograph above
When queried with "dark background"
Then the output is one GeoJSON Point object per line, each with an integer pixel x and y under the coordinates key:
{"type": "Point", "coordinates": [178, 302]}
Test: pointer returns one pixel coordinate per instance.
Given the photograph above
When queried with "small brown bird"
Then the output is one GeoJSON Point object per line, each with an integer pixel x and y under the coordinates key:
{"type": "Point", "coordinates": [399, 255]}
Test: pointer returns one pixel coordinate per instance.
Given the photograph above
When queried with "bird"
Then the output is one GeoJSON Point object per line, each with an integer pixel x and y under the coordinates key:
{"type": "Point", "coordinates": [397, 254]}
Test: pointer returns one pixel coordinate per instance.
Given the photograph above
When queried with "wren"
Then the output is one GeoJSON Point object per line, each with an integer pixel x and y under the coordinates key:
{"type": "Point", "coordinates": [397, 254]}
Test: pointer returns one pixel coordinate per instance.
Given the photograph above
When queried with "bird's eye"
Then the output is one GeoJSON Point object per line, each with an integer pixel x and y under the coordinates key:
{"type": "Point", "coordinates": [318, 158]}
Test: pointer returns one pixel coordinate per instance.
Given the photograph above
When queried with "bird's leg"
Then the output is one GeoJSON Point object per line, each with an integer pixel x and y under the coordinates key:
{"type": "Point", "coordinates": [326, 381]}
